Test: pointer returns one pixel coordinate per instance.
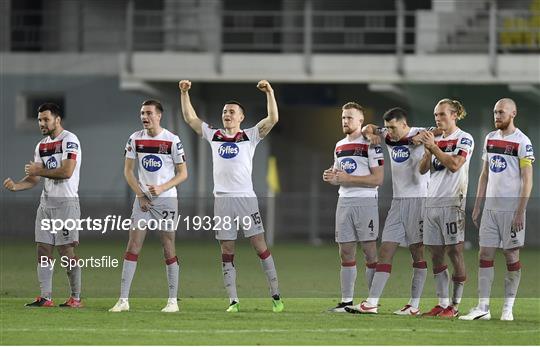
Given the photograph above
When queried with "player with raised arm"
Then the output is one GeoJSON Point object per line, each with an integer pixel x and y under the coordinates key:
{"type": "Point", "coordinates": [358, 170]}
{"type": "Point", "coordinates": [404, 223]}
{"type": "Point", "coordinates": [159, 157]}
{"type": "Point", "coordinates": [57, 159]}
{"type": "Point", "coordinates": [447, 157]}
{"type": "Point", "coordinates": [505, 184]}
{"type": "Point", "coordinates": [235, 200]}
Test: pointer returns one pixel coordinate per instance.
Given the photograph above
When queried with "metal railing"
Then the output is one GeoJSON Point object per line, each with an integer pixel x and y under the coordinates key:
{"type": "Point", "coordinates": [306, 31]}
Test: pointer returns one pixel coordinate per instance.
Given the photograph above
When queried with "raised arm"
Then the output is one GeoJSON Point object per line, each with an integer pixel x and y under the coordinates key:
{"type": "Point", "coordinates": [188, 112]}
{"type": "Point", "coordinates": [372, 133]}
{"type": "Point", "coordinates": [272, 118]}
{"type": "Point", "coordinates": [26, 183]}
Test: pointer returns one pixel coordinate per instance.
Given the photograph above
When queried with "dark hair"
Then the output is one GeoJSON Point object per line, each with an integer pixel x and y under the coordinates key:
{"type": "Point", "coordinates": [155, 103]}
{"type": "Point", "coordinates": [352, 104]}
{"type": "Point", "coordinates": [52, 107]}
{"type": "Point", "coordinates": [396, 113]}
{"type": "Point", "coordinates": [234, 102]}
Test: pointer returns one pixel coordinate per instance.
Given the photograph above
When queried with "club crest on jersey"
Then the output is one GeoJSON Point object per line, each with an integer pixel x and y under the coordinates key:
{"type": "Point", "coordinates": [497, 164]}
{"type": "Point", "coordinates": [151, 163]}
{"type": "Point", "coordinates": [400, 154]}
{"type": "Point", "coordinates": [509, 149]}
{"type": "Point", "coordinates": [228, 150]}
{"type": "Point", "coordinates": [58, 148]}
{"type": "Point", "coordinates": [51, 163]}
{"type": "Point", "coordinates": [466, 141]}
{"type": "Point", "coordinates": [348, 165]}
{"type": "Point", "coordinates": [162, 148]}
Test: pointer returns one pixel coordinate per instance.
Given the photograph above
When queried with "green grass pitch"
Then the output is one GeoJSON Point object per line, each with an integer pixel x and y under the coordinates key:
{"type": "Point", "coordinates": [309, 281]}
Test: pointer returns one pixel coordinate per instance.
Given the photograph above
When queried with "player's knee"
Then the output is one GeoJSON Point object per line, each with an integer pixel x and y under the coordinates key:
{"type": "Point", "coordinates": [45, 251]}
{"type": "Point", "coordinates": [66, 251]}
{"type": "Point", "coordinates": [485, 254]}
{"type": "Point", "coordinates": [511, 255]}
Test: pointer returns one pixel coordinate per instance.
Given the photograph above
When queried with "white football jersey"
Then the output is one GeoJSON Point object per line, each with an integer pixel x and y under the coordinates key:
{"type": "Point", "coordinates": [51, 152]}
{"type": "Point", "coordinates": [356, 157]}
{"type": "Point", "coordinates": [446, 188]}
{"type": "Point", "coordinates": [156, 158]}
{"type": "Point", "coordinates": [232, 158]}
{"type": "Point", "coordinates": [407, 181]}
{"type": "Point", "coordinates": [504, 177]}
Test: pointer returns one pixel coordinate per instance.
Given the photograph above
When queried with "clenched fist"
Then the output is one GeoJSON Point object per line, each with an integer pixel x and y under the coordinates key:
{"type": "Point", "coordinates": [264, 86]}
{"type": "Point", "coordinates": [184, 85]}
{"type": "Point", "coordinates": [9, 184]}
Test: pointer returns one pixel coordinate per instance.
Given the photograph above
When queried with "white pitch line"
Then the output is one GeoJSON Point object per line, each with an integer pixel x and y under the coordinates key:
{"type": "Point", "coordinates": [252, 331]}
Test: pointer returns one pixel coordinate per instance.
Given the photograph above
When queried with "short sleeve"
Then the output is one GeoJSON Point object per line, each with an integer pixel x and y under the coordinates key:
{"type": "Point", "coordinates": [207, 131]}
{"type": "Point", "coordinates": [253, 135]}
{"type": "Point", "coordinates": [130, 149]}
{"type": "Point", "coordinates": [71, 148]}
{"type": "Point", "coordinates": [375, 156]}
{"type": "Point", "coordinates": [464, 146]}
{"type": "Point", "coordinates": [526, 149]}
{"type": "Point", "coordinates": [484, 150]}
{"type": "Point", "coordinates": [177, 151]}
{"type": "Point", "coordinates": [37, 157]}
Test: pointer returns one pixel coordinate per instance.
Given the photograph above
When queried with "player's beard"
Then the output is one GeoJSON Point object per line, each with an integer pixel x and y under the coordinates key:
{"type": "Point", "coordinates": [502, 125]}
{"type": "Point", "coordinates": [47, 131]}
{"type": "Point", "coordinates": [348, 130]}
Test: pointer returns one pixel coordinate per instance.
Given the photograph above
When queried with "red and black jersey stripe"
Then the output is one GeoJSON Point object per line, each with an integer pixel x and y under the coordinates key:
{"type": "Point", "coordinates": [72, 156]}
{"type": "Point", "coordinates": [352, 149]}
{"type": "Point", "coordinates": [50, 148]}
{"type": "Point", "coordinates": [502, 147]}
{"type": "Point", "coordinates": [447, 145]}
{"type": "Point", "coordinates": [402, 142]}
{"type": "Point", "coordinates": [239, 137]}
{"type": "Point", "coordinates": [153, 146]}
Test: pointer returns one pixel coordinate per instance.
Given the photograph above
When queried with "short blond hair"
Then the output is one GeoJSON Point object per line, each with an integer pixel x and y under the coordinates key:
{"type": "Point", "coordinates": [455, 106]}
{"type": "Point", "coordinates": [352, 104]}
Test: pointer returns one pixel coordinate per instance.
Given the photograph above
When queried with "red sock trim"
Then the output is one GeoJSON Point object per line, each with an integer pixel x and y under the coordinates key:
{"type": "Point", "coordinates": [264, 254]}
{"type": "Point", "coordinates": [420, 264]}
{"type": "Point", "coordinates": [439, 269]}
{"type": "Point", "coordinates": [171, 260]}
{"type": "Point", "coordinates": [514, 267]}
{"type": "Point", "coordinates": [348, 263]}
{"type": "Point", "coordinates": [371, 265]}
{"type": "Point", "coordinates": [384, 267]}
{"type": "Point", "coordinates": [459, 278]}
{"type": "Point", "coordinates": [227, 258]}
{"type": "Point", "coordinates": [131, 256]}
{"type": "Point", "coordinates": [486, 263]}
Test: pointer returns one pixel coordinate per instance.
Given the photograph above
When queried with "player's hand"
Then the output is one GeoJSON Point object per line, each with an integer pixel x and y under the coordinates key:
{"type": "Point", "coordinates": [476, 216]}
{"type": "Point", "coordinates": [32, 168]}
{"type": "Point", "coordinates": [341, 177]}
{"type": "Point", "coordinates": [416, 138]}
{"type": "Point", "coordinates": [184, 85]}
{"type": "Point", "coordinates": [329, 175]}
{"type": "Point", "coordinates": [155, 189]}
{"type": "Point", "coordinates": [374, 139]}
{"type": "Point", "coordinates": [427, 139]}
{"type": "Point", "coordinates": [518, 223]}
{"type": "Point", "coordinates": [9, 184]}
{"type": "Point", "coordinates": [264, 86]}
{"type": "Point", "coordinates": [145, 203]}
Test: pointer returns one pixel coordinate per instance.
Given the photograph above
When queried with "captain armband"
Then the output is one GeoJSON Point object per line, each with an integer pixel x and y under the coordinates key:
{"type": "Point", "coordinates": [525, 162]}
